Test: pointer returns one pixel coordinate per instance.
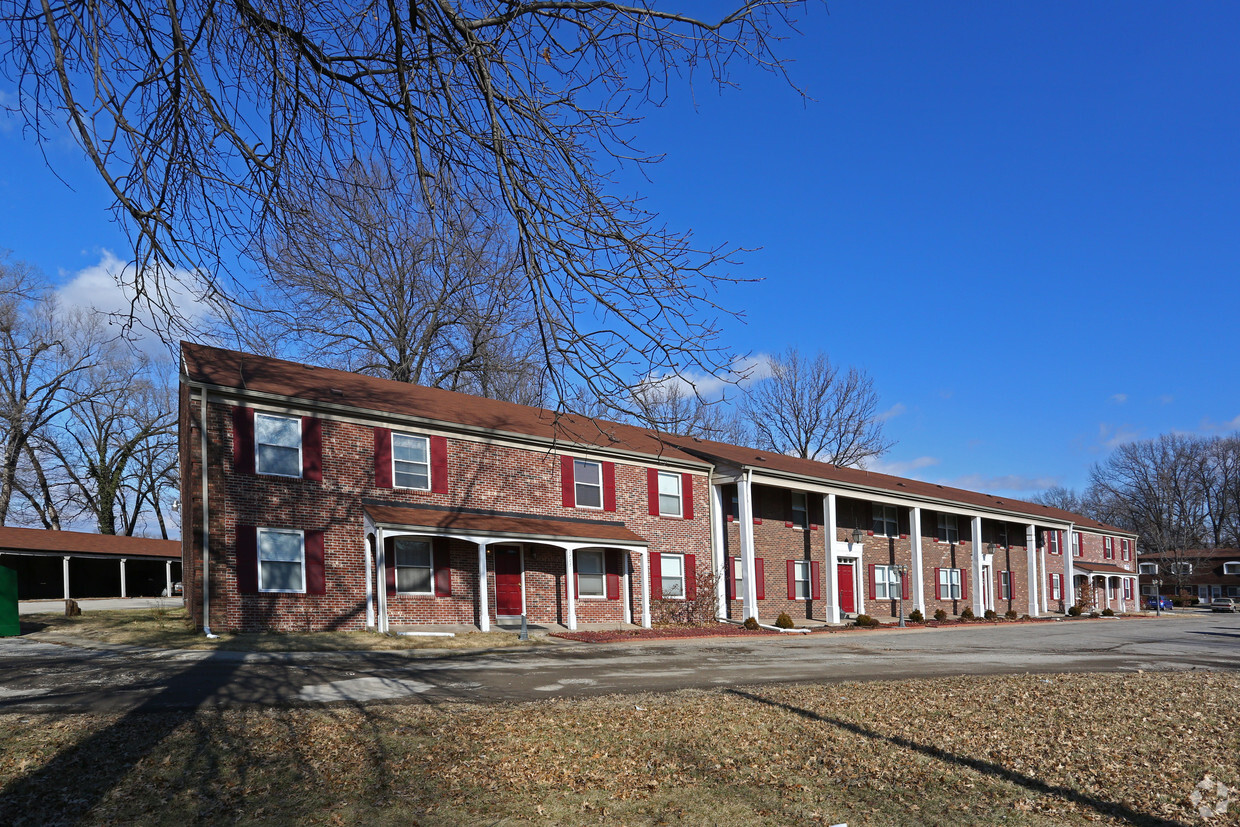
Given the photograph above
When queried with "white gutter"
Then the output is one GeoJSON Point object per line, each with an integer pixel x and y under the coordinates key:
{"type": "Point", "coordinates": [206, 531]}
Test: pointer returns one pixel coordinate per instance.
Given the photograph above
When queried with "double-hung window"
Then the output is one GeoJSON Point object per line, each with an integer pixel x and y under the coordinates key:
{"type": "Point", "coordinates": [800, 579]}
{"type": "Point", "coordinates": [669, 495]}
{"type": "Point", "coordinates": [277, 445]}
{"type": "Point", "coordinates": [948, 529]}
{"type": "Point", "coordinates": [281, 560]}
{"type": "Point", "coordinates": [591, 578]}
{"type": "Point", "coordinates": [885, 520]}
{"type": "Point", "coordinates": [1052, 545]}
{"type": "Point", "coordinates": [1076, 544]}
{"type": "Point", "coordinates": [886, 582]}
{"type": "Point", "coordinates": [1056, 587]}
{"type": "Point", "coordinates": [738, 576]}
{"type": "Point", "coordinates": [588, 483]}
{"type": "Point", "coordinates": [411, 464]}
{"type": "Point", "coordinates": [1005, 585]}
{"type": "Point", "coordinates": [799, 510]}
{"type": "Point", "coordinates": [414, 568]}
{"type": "Point", "coordinates": [673, 575]}
{"type": "Point", "coordinates": [1125, 550]}
{"type": "Point", "coordinates": [1127, 589]}
{"type": "Point", "coordinates": [1108, 548]}
{"type": "Point", "coordinates": [949, 584]}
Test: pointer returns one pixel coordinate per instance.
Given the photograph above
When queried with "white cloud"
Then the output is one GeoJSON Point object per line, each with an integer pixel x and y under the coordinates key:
{"type": "Point", "coordinates": [1209, 426]}
{"type": "Point", "coordinates": [1112, 436]}
{"type": "Point", "coordinates": [1005, 482]}
{"type": "Point", "coordinates": [745, 371]}
{"type": "Point", "coordinates": [1119, 398]}
{"type": "Point", "coordinates": [900, 468]}
{"type": "Point", "coordinates": [107, 288]}
{"type": "Point", "coordinates": [892, 412]}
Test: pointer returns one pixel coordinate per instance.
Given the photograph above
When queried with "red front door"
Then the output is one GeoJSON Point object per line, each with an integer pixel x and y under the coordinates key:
{"type": "Point", "coordinates": [508, 591]}
{"type": "Point", "coordinates": [847, 601]}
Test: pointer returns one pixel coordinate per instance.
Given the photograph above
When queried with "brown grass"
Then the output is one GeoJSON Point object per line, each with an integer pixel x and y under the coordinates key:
{"type": "Point", "coordinates": [170, 629]}
{"type": "Point", "coordinates": [1019, 750]}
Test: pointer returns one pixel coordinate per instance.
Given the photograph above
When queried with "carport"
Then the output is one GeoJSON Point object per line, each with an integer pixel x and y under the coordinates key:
{"type": "Point", "coordinates": [73, 564]}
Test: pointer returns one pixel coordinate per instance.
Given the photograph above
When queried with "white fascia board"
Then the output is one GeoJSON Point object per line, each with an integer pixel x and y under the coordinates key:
{"type": "Point", "coordinates": [402, 530]}
{"type": "Point", "coordinates": [278, 403]}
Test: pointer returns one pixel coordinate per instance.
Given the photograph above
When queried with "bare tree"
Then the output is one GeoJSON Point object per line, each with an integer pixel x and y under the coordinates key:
{"type": "Point", "coordinates": [208, 122]}
{"type": "Point", "coordinates": [1060, 497]}
{"type": "Point", "coordinates": [672, 405]}
{"type": "Point", "coordinates": [361, 278]}
{"type": "Point", "coordinates": [808, 408]}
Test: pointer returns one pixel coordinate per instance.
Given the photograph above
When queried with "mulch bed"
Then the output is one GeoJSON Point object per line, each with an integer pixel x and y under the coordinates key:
{"type": "Point", "coordinates": [663, 633]}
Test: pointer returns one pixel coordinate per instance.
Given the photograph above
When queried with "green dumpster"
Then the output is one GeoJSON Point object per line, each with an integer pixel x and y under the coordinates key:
{"type": "Point", "coordinates": [8, 603]}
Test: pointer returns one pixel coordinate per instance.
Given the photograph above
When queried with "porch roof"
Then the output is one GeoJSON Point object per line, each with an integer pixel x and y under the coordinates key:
{"type": "Point", "coordinates": [1102, 568]}
{"type": "Point", "coordinates": [505, 526]}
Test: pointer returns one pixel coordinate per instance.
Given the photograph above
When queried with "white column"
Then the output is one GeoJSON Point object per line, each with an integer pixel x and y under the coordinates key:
{"type": "Point", "coordinates": [1031, 568]}
{"type": "Point", "coordinates": [626, 585]}
{"type": "Point", "coordinates": [979, 605]}
{"type": "Point", "coordinates": [168, 577]}
{"type": "Point", "coordinates": [919, 586]}
{"type": "Point", "coordinates": [831, 583]}
{"type": "Point", "coordinates": [744, 496]}
{"type": "Point", "coordinates": [1069, 587]}
{"type": "Point", "coordinates": [66, 568]}
{"type": "Point", "coordinates": [718, 559]}
{"type": "Point", "coordinates": [571, 614]}
{"type": "Point", "coordinates": [1044, 575]}
{"type": "Point", "coordinates": [646, 588]}
{"type": "Point", "coordinates": [381, 579]}
{"type": "Point", "coordinates": [484, 609]}
{"type": "Point", "coordinates": [370, 583]}
{"type": "Point", "coordinates": [124, 591]}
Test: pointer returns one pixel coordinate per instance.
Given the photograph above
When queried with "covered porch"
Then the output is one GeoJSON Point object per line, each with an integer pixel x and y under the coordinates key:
{"type": "Point", "coordinates": [1109, 586]}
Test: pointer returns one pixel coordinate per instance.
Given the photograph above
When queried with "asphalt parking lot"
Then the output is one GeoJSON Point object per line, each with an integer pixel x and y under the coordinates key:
{"type": "Point", "coordinates": [42, 676]}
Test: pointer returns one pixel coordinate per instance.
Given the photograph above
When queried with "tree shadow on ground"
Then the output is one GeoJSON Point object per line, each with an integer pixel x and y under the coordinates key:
{"type": "Point", "coordinates": [1103, 807]}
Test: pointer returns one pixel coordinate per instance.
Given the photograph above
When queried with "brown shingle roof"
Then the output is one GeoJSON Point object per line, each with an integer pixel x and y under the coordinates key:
{"type": "Point", "coordinates": [781, 463]}
{"type": "Point", "coordinates": [244, 371]}
{"type": "Point", "coordinates": [69, 542]}
{"type": "Point", "coordinates": [501, 524]}
{"type": "Point", "coordinates": [1101, 568]}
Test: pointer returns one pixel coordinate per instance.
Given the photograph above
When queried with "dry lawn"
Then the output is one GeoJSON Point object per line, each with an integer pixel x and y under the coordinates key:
{"type": "Point", "coordinates": [170, 629]}
{"type": "Point", "coordinates": [1019, 750]}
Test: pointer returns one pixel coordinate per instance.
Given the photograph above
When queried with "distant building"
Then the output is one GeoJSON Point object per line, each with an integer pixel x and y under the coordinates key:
{"type": "Point", "coordinates": [52, 565]}
{"type": "Point", "coordinates": [1202, 573]}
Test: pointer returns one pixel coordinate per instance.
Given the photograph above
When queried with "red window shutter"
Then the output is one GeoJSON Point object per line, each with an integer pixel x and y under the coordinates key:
{"type": "Point", "coordinates": [316, 573]}
{"type": "Point", "coordinates": [815, 580]}
{"type": "Point", "coordinates": [690, 576]}
{"type": "Point", "coordinates": [389, 564]}
{"type": "Point", "coordinates": [443, 567]}
{"type": "Point", "coordinates": [1050, 585]}
{"type": "Point", "coordinates": [439, 464]}
{"type": "Point", "coordinates": [938, 589]}
{"type": "Point", "coordinates": [312, 448]}
{"type": "Point", "coordinates": [964, 584]}
{"type": "Point", "coordinates": [731, 564]}
{"type": "Point", "coordinates": [609, 486]}
{"type": "Point", "coordinates": [813, 526]}
{"type": "Point", "coordinates": [247, 558]}
{"type": "Point", "coordinates": [873, 587]}
{"type": "Point", "coordinates": [383, 458]}
{"type": "Point", "coordinates": [243, 441]}
{"type": "Point", "coordinates": [652, 491]}
{"type": "Point", "coordinates": [904, 587]}
{"type": "Point", "coordinates": [686, 495]}
{"type": "Point", "coordinates": [792, 575]}
{"type": "Point", "coordinates": [614, 566]}
{"type": "Point", "coordinates": [759, 576]}
{"type": "Point", "coordinates": [568, 492]}
{"type": "Point", "coordinates": [656, 575]}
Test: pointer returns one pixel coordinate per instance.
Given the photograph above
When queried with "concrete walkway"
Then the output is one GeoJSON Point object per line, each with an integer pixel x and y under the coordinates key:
{"type": "Point", "coordinates": [91, 604]}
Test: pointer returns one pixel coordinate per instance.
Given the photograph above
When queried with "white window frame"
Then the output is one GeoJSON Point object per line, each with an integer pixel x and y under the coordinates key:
{"type": "Point", "coordinates": [1005, 585]}
{"type": "Point", "coordinates": [886, 583]}
{"type": "Point", "coordinates": [801, 586]}
{"type": "Point", "coordinates": [430, 556]}
{"type": "Point", "coordinates": [1056, 586]}
{"type": "Point", "coordinates": [1108, 548]}
{"type": "Point", "coordinates": [673, 478]}
{"type": "Point", "coordinates": [1052, 543]}
{"type": "Point", "coordinates": [301, 538]}
{"type": "Point", "coordinates": [949, 528]}
{"type": "Point", "coordinates": [427, 446]}
{"type": "Point", "coordinates": [1127, 588]}
{"type": "Point", "coordinates": [950, 584]}
{"type": "Point", "coordinates": [800, 513]}
{"type": "Point", "coordinates": [738, 576]}
{"type": "Point", "coordinates": [1125, 550]}
{"type": "Point", "coordinates": [579, 569]}
{"type": "Point", "coordinates": [1147, 591]}
{"type": "Point", "coordinates": [301, 464]}
{"type": "Point", "coordinates": [577, 484]}
{"type": "Point", "coordinates": [1233, 570]}
{"type": "Point", "coordinates": [1233, 591]}
{"type": "Point", "coordinates": [1181, 569]}
{"type": "Point", "coordinates": [879, 513]}
{"type": "Point", "coordinates": [663, 578]}
{"type": "Point", "coordinates": [1078, 546]}
{"type": "Point", "coordinates": [1147, 568]}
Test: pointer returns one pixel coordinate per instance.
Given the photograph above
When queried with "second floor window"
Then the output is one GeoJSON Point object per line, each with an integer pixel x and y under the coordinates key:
{"type": "Point", "coordinates": [1052, 545]}
{"type": "Point", "coordinates": [799, 511]}
{"type": "Point", "coordinates": [588, 481]}
{"type": "Point", "coordinates": [1108, 548]}
{"type": "Point", "coordinates": [1076, 544]}
{"type": "Point", "coordinates": [411, 465]}
{"type": "Point", "coordinates": [669, 494]}
{"type": "Point", "coordinates": [948, 530]}
{"type": "Point", "coordinates": [277, 445]}
{"type": "Point", "coordinates": [1148, 568]}
{"type": "Point", "coordinates": [885, 520]}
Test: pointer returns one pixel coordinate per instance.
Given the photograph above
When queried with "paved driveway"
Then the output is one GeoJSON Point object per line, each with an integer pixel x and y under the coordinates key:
{"type": "Point", "coordinates": [37, 675]}
{"type": "Point", "coordinates": [92, 604]}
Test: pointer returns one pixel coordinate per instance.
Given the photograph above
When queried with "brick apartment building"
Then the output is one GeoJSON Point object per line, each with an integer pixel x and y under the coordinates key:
{"type": "Point", "coordinates": [1204, 573]}
{"type": "Point", "coordinates": [340, 501]}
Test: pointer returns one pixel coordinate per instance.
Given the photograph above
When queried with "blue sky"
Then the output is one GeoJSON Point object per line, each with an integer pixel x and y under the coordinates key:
{"type": "Point", "coordinates": [1021, 220]}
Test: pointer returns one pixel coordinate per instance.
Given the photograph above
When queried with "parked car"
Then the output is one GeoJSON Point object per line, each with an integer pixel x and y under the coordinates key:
{"type": "Point", "coordinates": [1164, 602]}
{"type": "Point", "coordinates": [1223, 604]}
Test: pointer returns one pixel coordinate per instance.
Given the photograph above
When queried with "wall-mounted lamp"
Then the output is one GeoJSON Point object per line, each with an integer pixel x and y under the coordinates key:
{"type": "Point", "coordinates": [858, 535]}
{"type": "Point", "coordinates": [991, 548]}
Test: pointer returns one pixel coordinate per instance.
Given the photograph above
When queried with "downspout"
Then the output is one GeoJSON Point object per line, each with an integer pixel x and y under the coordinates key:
{"type": "Point", "coordinates": [206, 530]}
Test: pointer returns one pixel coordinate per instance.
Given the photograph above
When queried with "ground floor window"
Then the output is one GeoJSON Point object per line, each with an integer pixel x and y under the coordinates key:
{"type": "Point", "coordinates": [949, 584]}
{"type": "Point", "coordinates": [591, 579]}
{"type": "Point", "coordinates": [1128, 590]}
{"type": "Point", "coordinates": [414, 569]}
{"type": "Point", "coordinates": [1056, 587]}
{"type": "Point", "coordinates": [1005, 585]}
{"type": "Point", "coordinates": [738, 577]}
{"type": "Point", "coordinates": [886, 582]}
{"type": "Point", "coordinates": [1148, 590]}
{"type": "Point", "coordinates": [673, 571]}
{"type": "Point", "coordinates": [800, 571]}
{"type": "Point", "coordinates": [1233, 591]}
{"type": "Point", "coordinates": [281, 560]}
